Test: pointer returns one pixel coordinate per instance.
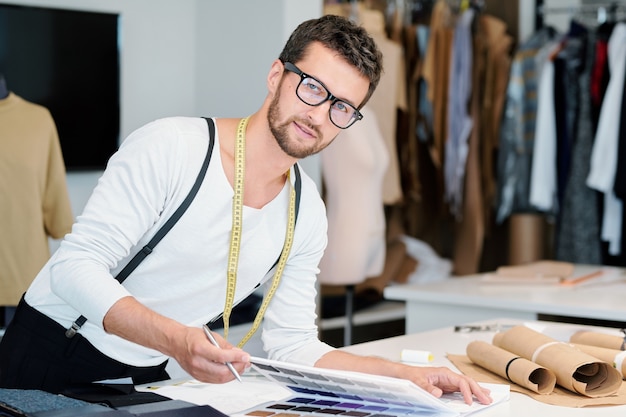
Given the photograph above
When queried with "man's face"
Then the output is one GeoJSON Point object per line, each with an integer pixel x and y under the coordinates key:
{"type": "Point", "coordinates": [300, 129]}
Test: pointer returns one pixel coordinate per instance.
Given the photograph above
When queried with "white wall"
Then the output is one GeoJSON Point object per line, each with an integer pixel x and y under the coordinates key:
{"type": "Point", "coordinates": [560, 20]}
{"type": "Point", "coordinates": [236, 45]}
{"type": "Point", "coordinates": [190, 57]}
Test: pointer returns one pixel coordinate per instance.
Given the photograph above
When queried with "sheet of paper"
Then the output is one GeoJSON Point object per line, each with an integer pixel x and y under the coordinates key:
{"type": "Point", "coordinates": [228, 398]}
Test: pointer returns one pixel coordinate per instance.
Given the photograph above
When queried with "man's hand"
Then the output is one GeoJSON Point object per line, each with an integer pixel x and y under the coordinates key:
{"type": "Point", "coordinates": [440, 380]}
{"type": "Point", "coordinates": [205, 362]}
{"type": "Point", "coordinates": [436, 381]}
{"type": "Point", "coordinates": [187, 345]}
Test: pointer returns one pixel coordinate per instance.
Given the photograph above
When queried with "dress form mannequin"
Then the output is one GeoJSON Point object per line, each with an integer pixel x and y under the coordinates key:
{"type": "Point", "coordinates": [389, 97]}
{"type": "Point", "coordinates": [390, 261]}
{"type": "Point", "coordinates": [35, 204]}
{"type": "Point", "coordinates": [353, 167]}
{"type": "Point", "coordinates": [391, 92]}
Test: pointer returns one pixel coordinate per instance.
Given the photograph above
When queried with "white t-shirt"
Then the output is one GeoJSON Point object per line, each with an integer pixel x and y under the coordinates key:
{"type": "Point", "coordinates": [185, 276]}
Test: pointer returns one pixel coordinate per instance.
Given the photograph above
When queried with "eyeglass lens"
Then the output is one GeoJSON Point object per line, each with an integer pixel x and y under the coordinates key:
{"type": "Point", "coordinates": [312, 92]}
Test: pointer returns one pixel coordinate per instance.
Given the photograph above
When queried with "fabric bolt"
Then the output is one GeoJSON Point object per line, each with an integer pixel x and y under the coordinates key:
{"type": "Point", "coordinates": [34, 200]}
{"type": "Point", "coordinates": [163, 159]}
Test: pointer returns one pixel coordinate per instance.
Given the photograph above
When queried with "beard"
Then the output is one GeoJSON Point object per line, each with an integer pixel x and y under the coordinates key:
{"type": "Point", "coordinates": [281, 133]}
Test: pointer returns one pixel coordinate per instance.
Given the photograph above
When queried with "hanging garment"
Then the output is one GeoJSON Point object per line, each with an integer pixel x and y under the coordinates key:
{"type": "Point", "coordinates": [578, 232]}
{"type": "Point", "coordinates": [517, 134]}
{"type": "Point", "coordinates": [604, 154]}
{"type": "Point", "coordinates": [619, 185]}
{"type": "Point", "coordinates": [436, 76]}
{"type": "Point", "coordinates": [495, 79]}
{"type": "Point", "coordinates": [543, 167]}
{"type": "Point", "coordinates": [600, 74]}
{"type": "Point", "coordinates": [490, 69]}
{"type": "Point", "coordinates": [459, 120]}
{"type": "Point", "coordinates": [568, 65]}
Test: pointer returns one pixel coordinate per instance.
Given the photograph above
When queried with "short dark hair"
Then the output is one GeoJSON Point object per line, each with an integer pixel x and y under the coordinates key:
{"type": "Point", "coordinates": [350, 41]}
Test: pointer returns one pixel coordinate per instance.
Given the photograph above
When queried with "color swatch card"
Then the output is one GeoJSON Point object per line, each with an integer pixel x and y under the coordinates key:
{"type": "Point", "coordinates": [317, 392]}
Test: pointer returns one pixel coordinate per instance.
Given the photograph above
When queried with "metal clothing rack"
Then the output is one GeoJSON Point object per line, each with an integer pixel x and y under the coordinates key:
{"type": "Point", "coordinates": [414, 11]}
{"type": "Point", "coordinates": [604, 12]}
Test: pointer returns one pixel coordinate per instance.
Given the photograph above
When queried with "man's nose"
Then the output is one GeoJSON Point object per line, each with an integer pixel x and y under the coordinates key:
{"type": "Point", "coordinates": [320, 113]}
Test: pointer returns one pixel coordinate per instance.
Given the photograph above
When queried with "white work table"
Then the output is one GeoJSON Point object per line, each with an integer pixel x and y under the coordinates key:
{"type": "Point", "coordinates": [446, 340]}
{"type": "Point", "coordinates": [231, 397]}
{"type": "Point", "coordinates": [463, 299]}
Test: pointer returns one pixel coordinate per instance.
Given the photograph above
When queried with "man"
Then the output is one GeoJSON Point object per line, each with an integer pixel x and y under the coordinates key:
{"type": "Point", "coordinates": [239, 226]}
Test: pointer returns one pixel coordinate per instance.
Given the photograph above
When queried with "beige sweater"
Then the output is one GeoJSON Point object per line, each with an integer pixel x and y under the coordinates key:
{"type": "Point", "coordinates": [34, 201]}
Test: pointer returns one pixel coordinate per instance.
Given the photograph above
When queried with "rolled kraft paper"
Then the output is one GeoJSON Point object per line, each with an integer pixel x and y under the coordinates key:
{"type": "Point", "coordinates": [615, 357]}
{"type": "Point", "coordinates": [598, 339]}
{"type": "Point", "coordinates": [508, 365]}
{"type": "Point", "coordinates": [575, 370]}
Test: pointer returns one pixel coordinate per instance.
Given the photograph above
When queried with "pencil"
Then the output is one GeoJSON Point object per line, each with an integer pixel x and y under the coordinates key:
{"type": "Point", "coordinates": [581, 279]}
{"type": "Point", "coordinates": [230, 366]}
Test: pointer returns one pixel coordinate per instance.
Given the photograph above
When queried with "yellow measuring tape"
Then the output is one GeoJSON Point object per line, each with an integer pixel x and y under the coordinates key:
{"type": "Point", "coordinates": [235, 238]}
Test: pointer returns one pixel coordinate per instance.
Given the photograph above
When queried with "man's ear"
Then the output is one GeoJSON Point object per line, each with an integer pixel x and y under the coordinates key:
{"type": "Point", "coordinates": [274, 76]}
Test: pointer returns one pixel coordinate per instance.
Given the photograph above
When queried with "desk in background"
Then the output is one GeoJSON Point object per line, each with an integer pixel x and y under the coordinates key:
{"type": "Point", "coordinates": [464, 299]}
{"type": "Point", "coordinates": [446, 340]}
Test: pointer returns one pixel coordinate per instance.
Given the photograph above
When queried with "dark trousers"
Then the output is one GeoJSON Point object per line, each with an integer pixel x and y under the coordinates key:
{"type": "Point", "coordinates": [35, 354]}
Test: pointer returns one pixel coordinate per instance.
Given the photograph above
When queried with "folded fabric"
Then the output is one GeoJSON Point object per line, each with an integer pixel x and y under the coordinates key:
{"type": "Point", "coordinates": [575, 370]}
{"type": "Point", "coordinates": [508, 365]}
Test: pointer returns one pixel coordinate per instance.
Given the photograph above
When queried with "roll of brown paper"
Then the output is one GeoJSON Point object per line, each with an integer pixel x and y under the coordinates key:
{"type": "Point", "coordinates": [598, 339]}
{"type": "Point", "coordinates": [508, 365]}
{"type": "Point", "coordinates": [615, 357]}
{"type": "Point", "coordinates": [575, 370]}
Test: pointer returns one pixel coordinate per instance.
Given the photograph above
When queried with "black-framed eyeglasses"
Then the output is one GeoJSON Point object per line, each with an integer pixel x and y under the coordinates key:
{"type": "Point", "coordinates": [314, 93]}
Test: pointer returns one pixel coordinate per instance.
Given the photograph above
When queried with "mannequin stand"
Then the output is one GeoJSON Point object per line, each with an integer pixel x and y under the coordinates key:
{"type": "Point", "coordinates": [347, 332]}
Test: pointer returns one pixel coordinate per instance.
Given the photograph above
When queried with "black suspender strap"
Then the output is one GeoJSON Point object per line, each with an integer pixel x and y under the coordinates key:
{"type": "Point", "coordinates": [298, 186]}
{"type": "Point", "coordinates": [147, 249]}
